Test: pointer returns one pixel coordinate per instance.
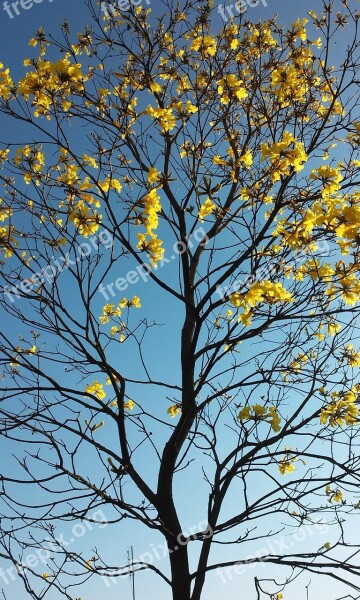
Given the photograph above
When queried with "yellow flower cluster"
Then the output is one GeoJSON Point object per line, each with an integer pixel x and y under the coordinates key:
{"type": "Point", "coordinates": [80, 201]}
{"type": "Point", "coordinates": [316, 270]}
{"type": "Point", "coordinates": [207, 208]}
{"type": "Point", "coordinates": [230, 87]}
{"type": "Point", "coordinates": [85, 40]}
{"type": "Point", "coordinates": [32, 160]}
{"type": "Point", "coordinates": [129, 405]}
{"type": "Point", "coordinates": [337, 215]}
{"type": "Point", "coordinates": [348, 286]}
{"type": "Point", "coordinates": [351, 355]}
{"type": "Point", "coordinates": [6, 83]}
{"type": "Point", "coordinates": [342, 409]}
{"type": "Point", "coordinates": [151, 207]}
{"type": "Point", "coordinates": [110, 183]}
{"type": "Point", "coordinates": [164, 116]}
{"type": "Point", "coordinates": [354, 136]}
{"type": "Point", "coordinates": [7, 241]}
{"type": "Point", "coordinates": [5, 212]}
{"type": "Point", "coordinates": [334, 495]}
{"type": "Point", "coordinates": [330, 178]}
{"type": "Point", "coordinates": [298, 29]}
{"type": "Point", "coordinates": [52, 79]}
{"type": "Point", "coordinates": [289, 85]}
{"type": "Point", "coordinates": [153, 175]}
{"type": "Point", "coordinates": [96, 389]}
{"type": "Point", "coordinates": [152, 246]}
{"type": "Point", "coordinates": [110, 311]}
{"type": "Point", "coordinates": [205, 44]}
{"type": "Point", "coordinates": [173, 410]}
{"type": "Point", "coordinates": [261, 291]}
{"type": "Point", "coordinates": [246, 159]}
{"type": "Point", "coordinates": [257, 413]}
{"type": "Point", "coordinates": [185, 110]}
{"type": "Point", "coordinates": [4, 155]}
{"type": "Point", "coordinates": [6, 238]}
{"type": "Point", "coordinates": [297, 364]}
{"type": "Point", "coordinates": [286, 465]}
{"type": "Point", "coordinates": [284, 155]}
{"type": "Point", "coordinates": [86, 221]}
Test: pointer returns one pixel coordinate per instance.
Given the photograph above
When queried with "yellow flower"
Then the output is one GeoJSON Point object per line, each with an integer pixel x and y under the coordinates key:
{"type": "Point", "coordinates": [117, 330]}
{"type": "Point", "coordinates": [90, 160]}
{"type": "Point", "coordinates": [274, 419]}
{"type": "Point", "coordinates": [264, 291]}
{"type": "Point", "coordinates": [334, 495]}
{"type": "Point", "coordinates": [135, 302]}
{"type": "Point", "coordinates": [257, 412]}
{"type": "Point", "coordinates": [352, 356]}
{"type": "Point", "coordinates": [85, 221]}
{"type": "Point", "coordinates": [246, 159]}
{"type": "Point", "coordinates": [341, 410]}
{"type": "Point", "coordinates": [284, 155]}
{"type": "Point", "coordinates": [333, 328]}
{"type": "Point", "coordinates": [4, 155]}
{"type": "Point", "coordinates": [206, 45]}
{"type": "Point", "coordinates": [96, 389]}
{"type": "Point", "coordinates": [190, 108]}
{"type": "Point", "coordinates": [110, 184]}
{"type": "Point", "coordinates": [109, 312]}
{"type": "Point", "coordinates": [207, 208]}
{"type": "Point", "coordinates": [52, 80]}
{"type": "Point", "coordinates": [229, 87]}
{"type": "Point", "coordinates": [153, 246]}
{"type": "Point", "coordinates": [173, 410]}
{"type": "Point", "coordinates": [129, 405]}
{"type": "Point", "coordinates": [330, 178]}
{"type": "Point", "coordinates": [164, 116]}
{"type": "Point", "coordinates": [155, 87]}
{"type": "Point", "coordinates": [6, 83]}
{"type": "Point", "coordinates": [7, 241]}
{"type": "Point", "coordinates": [217, 160]}
{"type": "Point", "coordinates": [153, 175]}
{"type": "Point", "coordinates": [286, 466]}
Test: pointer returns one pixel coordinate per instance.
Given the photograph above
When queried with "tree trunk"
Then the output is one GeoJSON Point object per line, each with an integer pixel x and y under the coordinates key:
{"type": "Point", "coordinates": [180, 573]}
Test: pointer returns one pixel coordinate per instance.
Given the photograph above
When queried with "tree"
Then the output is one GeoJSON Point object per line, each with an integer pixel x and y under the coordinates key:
{"type": "Point", "coordinates": [202, 162]}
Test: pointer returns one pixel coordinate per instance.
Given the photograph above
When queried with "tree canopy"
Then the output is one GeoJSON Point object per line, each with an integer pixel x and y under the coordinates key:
{"type": "Point", "coordinates": [179, 249]}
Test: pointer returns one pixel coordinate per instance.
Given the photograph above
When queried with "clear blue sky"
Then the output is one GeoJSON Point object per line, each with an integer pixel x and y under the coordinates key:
{"type": "Point", "coordinates": [15, 33]}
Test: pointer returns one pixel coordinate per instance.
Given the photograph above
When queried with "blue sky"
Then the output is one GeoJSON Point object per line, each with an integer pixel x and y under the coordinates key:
{"type": "Point", "coordinates": [15, 33]}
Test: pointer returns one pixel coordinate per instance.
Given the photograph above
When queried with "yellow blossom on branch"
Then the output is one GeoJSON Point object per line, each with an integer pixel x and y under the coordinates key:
{"type": "Point", "coordinates": [96, 389]}
{"type": "Point", "coordinates": [173, 410]}
{"type": "Point", "coordinates": [207, 208]}
{"type": "Point", "coordinates": [129, 405]}
{"type": "Point", "coordinates": [206, 45]}
{"type": "Point", "coordinates": [257, 413]}
{"type": "Point", "coordinates": [6, 83]}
